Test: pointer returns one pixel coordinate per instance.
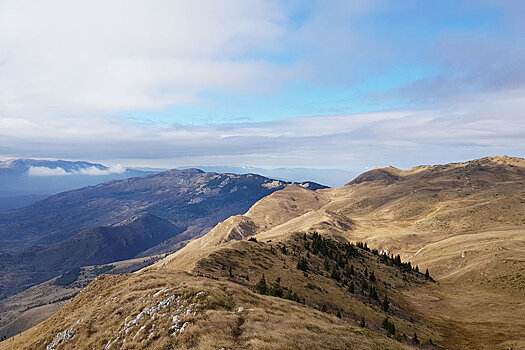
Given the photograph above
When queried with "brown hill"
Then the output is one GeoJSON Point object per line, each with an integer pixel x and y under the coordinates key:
{"type": "Point", "coordinates": [462, 221]}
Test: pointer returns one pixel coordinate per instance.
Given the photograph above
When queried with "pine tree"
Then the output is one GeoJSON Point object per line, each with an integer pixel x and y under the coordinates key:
{"type": "Point", "coordinates": [276, 290]}
{"type": "Point", "coordinates": [352, 270]}
{"type": "Point", "coordinates": [302, 264]}
{"type": "Point", "coordinates": [351, 288]}
{"type": "Point", "coordinates": [415, 340]}
{"type": "Point", "coordinates": [362, 324]}
{"type": "Point", "coordinates": [372, 277]}
{"type": "Point", "coordinates": [373, 294]}
{"type": "Point", "coordinates": [335, 274]}
{"type": "Point", "coordinates": [427, 275]}
{"type": "Point", "coordinates": [389, 326]}
{"type": "Point", "coordinates": [398, 260]}
{"type": "Point", "coordinates": [261, 287]}
{"type": "Point", "coordinates": [364, 284]}
{"type": "Point", "coordinates": [326, 265]}
{"type": "Point", "coordinates": [283, 249]}
{"type": "Point", "coordinates": [386, 304]}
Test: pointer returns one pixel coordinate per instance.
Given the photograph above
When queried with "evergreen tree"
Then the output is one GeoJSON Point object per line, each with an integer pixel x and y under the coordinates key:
{"type": "Point", "coordinates": [335, 274]}
{"type": "Point", "coordinates": [351, 288]}
{"type": "Point", "coordinates": [364, 284]}
{"type": "Point", "coordinates": [283, 249]}
{"type": "Point", "coordinates": [427, 275]}
{"type": "Point", "coordinates": [362, 323]}
{"type": "Point", "coordinates": [388, 326]}
{"type": "Point", "coordinates": [373, 294]}
{"type": "Point", "coordinates": [276, 290]}
{"type": "Point", "coordinates": [261, 287]}
{"type": "Point", "coordinates": [415, 340]}
{"type": "Point", "coordinates": [326, 265]}
{"type": "Point", "coordinates": [372, 277]}
{"type": "Point", "coordinates": [386, 304]}
{"type": "Point", "coordinates": [352, 270]}
{"type": "Point", "coordinates": [302, 264]}
{"type": "Point", "coordinates": [398, 260]}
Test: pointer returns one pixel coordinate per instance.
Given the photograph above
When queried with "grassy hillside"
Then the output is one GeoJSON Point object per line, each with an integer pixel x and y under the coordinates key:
{"type": "Point", "coordinates": [286, 276]}
{"type": "Point", "coordinates": [160, 309]}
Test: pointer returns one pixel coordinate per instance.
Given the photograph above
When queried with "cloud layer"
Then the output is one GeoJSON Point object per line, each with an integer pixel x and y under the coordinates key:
{"type": "Point", "coordinates": [352, 142]}
{"type": "Point", "coordinates": [69, 70]}
{"type": "Point", "coordinates": [88, 171]}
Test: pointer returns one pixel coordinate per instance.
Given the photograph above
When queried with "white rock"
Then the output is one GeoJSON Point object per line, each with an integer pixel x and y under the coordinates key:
{"type": "Point", "coordinates": [63, 336]}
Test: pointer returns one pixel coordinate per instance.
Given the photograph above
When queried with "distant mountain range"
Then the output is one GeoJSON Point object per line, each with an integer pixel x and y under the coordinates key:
{"type": "Point", "coordinates": [329, 177]}
{"type": "Point", "coordinates": [25, 181]}
{"type": "Point", "coordinates": [120, 219]}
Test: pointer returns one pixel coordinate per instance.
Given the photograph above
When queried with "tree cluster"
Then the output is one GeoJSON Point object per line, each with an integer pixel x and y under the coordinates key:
{"type": "Point", "coordinates": [275, 290]}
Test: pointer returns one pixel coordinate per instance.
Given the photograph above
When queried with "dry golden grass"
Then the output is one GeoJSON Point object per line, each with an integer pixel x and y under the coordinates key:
{"type": "Point", "coordinates": [32, 306]}
{"type": "Point", "coordinates": [222, 315]}
{"type": "Point", "coordinates": [431, 215]}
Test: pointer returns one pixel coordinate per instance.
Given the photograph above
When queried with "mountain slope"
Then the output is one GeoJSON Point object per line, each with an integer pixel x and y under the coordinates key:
{"type": "Point", "coordinates": [32, 306]}
{"type": "Point", "coordinates": [98, 224]}
{"type": "Point", "coordinates": [463, 221]}
{"type": "Point", "coordinates": [166, 310]}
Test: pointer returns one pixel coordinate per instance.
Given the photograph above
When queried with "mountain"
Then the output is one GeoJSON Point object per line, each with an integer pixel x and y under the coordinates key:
{"type": "Point", "coordinates": [120, 219]}
{"type": "Point", "coordinates": [462, 221]}
{"type": "Point", "coordinates": [330, 177]}
{"type": "Point", "coordinates": [308, 269]}
{"type": "Point", "coordinates": [26, 181]}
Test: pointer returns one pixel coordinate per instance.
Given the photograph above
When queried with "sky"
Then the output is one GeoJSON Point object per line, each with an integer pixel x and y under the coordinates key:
{"type": "Point", "coordinates": [346, 85]}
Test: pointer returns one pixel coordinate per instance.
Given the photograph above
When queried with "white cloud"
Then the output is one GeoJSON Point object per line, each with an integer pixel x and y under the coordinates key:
{"type": "Point", "coordinates": [480, 126]}
{"type": "Point", "coordinates": [45, 171]}
{"type": "Point", "coordinates": [88, 171]}
{"type": "Point", "coordinates": [67, 68]}
{"type": "Point", "coordinates": [94, 171]}
{"type": "Point", "coordinates": [63, 57]}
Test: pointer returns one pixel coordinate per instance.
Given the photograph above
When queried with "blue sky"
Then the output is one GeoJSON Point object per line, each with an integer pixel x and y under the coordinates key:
{"type": "Point", "coordinates": [322, 84]}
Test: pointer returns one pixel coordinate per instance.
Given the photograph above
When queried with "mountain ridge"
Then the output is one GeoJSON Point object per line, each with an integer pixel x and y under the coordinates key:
{"type": "Point", "coordinates": [187, 203]}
